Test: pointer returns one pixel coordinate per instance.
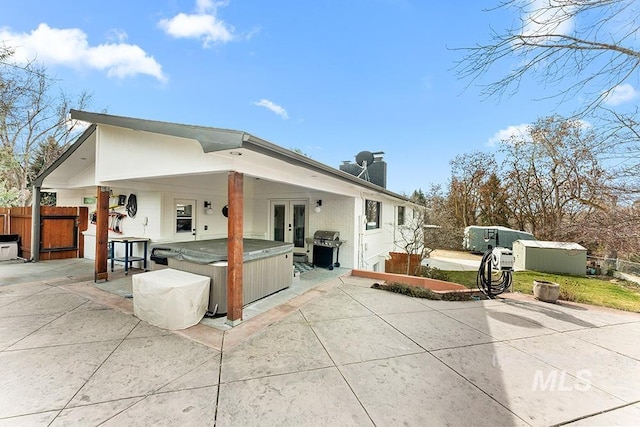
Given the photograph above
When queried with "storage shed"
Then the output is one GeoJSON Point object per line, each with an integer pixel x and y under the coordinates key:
{"type": "Point", "coordinates": [550, 257]}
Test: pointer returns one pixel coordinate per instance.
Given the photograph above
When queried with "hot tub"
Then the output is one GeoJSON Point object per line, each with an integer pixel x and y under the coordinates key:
{"type": "Point", "coordinates": [267, 266]}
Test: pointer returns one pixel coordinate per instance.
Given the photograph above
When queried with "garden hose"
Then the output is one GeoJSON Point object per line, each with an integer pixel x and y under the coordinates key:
{"type": "Point", "coordinates": [485, 281]}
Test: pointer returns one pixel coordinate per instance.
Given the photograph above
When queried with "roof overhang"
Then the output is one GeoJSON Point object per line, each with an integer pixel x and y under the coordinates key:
{"type": "Point", "coordinates": [211, 140]}
{"type": "Point", "coordinates": [64, 156]}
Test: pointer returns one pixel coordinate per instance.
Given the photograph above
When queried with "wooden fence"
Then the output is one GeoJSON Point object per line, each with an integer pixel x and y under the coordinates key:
{"type": "Point", "coordinates": [60, 230]}
{"type": "Point", "coordinates": [398, 263]}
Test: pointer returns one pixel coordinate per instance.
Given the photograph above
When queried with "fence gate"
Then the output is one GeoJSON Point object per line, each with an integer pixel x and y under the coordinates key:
{"type": "Point", "coordinates": [60, 230]}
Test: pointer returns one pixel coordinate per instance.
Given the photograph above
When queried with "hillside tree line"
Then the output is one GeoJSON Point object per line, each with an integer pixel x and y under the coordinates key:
{"type": "Point", "coordinates": [550, 181]}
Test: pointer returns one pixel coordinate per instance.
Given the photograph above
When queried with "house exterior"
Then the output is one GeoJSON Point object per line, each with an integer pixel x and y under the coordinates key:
{"type": "Point", "coordinates": [182, 177]}
{"type": "Point", "coordinates": [550, 257]}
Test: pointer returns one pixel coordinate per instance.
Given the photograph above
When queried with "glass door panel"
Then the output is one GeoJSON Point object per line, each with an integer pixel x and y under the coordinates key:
{"type": "Point", "coordinates": [299, 224]}
{"type": "Point", "coordinates": [279, 220]}
{"type": "Point", "coordinates": [185, 220]}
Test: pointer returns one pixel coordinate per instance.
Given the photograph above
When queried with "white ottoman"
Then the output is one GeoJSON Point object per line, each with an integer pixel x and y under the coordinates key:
{"type": "Point", "coordinates": [170, 299]}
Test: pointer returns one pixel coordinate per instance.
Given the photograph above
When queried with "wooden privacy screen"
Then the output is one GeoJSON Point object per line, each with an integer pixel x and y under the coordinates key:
{"type": "Point", "coordinates": [60, 230]}
{"type": "Point", "coordinates": [398, 263]}
{"type": "Point", "coordinates": [20, 224]}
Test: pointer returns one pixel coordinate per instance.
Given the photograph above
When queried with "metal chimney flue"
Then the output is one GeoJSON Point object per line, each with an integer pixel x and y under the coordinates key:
{"type": "Point", "coordinates": [369, 166]}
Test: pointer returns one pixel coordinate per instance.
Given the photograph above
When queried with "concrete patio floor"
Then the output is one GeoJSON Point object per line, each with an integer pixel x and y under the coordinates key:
{"type": "Point", "coordinates": [338, 354]}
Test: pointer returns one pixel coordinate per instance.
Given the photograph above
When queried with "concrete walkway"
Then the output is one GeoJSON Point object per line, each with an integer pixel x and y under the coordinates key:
{"type": "Point", "coordinates": [339, 354]}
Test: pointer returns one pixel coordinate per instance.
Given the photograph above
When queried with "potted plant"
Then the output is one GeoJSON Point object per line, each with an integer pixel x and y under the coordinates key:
{"type": "Point", "coordinates": [546, 291]}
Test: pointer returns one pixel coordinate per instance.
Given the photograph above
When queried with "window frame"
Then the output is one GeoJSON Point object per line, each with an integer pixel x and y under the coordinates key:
{"type": "Point", "coordinates": [373, 207]}
{"type": "Point", "coordinates": [402, 215]}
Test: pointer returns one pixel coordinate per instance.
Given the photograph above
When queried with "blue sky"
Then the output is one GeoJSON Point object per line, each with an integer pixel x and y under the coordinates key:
{"type": "Point", "coordinates": [331, 78]}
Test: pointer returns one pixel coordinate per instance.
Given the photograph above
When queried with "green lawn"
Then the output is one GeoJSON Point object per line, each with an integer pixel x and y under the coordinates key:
{"type": "Point", "coordinates": [603, 291]}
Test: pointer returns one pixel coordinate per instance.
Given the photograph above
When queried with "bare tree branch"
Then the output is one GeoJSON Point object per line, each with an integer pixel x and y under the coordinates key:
{"type": "Point", "coordinates": [586, 47]}
{"type": "Point", "coordinates": [33, 125]}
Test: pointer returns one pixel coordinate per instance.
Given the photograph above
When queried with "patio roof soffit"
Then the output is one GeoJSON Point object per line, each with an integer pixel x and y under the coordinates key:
{"type": "Point", "coordinates": [64, 156]}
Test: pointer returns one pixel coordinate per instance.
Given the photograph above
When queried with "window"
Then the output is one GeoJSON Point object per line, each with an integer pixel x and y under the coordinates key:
{"type": "Point", "coordinates": [400, 215]}
{"type": "Point", "coordinates": [373, 214]}
{"type": "Point", "coordinates": [184, 218]}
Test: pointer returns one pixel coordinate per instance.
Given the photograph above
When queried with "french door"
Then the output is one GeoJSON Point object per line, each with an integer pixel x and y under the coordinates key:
{"type": "Point", "coordinates": [289, 221]}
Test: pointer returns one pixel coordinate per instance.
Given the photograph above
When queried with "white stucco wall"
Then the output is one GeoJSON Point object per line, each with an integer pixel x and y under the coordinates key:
{"type": "Point", "coordinates": [126, 154]}
{"type": "Point", "coordinates": [336, 214]}
{"type": "Point", "coordinates": [377, 243]}
{"type": "Point", "coordinates": [146, 223]}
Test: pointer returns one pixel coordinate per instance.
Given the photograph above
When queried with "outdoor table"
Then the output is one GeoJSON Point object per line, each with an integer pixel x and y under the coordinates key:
{"type": "Point", "coordinates": [128, 259]}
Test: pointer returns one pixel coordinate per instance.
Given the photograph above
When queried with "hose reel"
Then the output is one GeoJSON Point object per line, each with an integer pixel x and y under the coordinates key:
{"type": "Point", "coordinates": [494, 261]}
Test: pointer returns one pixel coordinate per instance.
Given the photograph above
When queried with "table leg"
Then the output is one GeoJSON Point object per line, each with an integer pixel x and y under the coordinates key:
{"type": "Point", "coordinates": [145, 255]}
{"type": "Point", "coordinates": [126, 257]}
{"type": "Point", "coordinates": [111, 253]}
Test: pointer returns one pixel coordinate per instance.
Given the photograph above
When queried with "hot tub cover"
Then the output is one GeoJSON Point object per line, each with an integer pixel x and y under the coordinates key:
{"type": "Point", "coordinates": [170, 299]}
{"type": "Point", "coordinates": [214, 250]}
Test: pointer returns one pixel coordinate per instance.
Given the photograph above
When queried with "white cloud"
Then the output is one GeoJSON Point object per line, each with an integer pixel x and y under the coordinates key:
{"type": "Point", "coordinates": [516, 131]}
{"type": "Point", "coordinates": [69, 47]}
{"type": "Point", "coordinates": [621, 94]}
{"type": "Point", "coordinates": [273, 107]}
{"type": "Point", "coordinates": [205, 6]}
{"type": "Point", "coordinates": [116, 35]}
{"type": "Point", "coordinates": [203, 25]}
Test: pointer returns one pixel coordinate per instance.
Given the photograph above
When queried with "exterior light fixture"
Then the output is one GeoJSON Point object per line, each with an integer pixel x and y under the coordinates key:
{"type": "Point", "coordinates": [207, 208]}
{"type": "Point", "coordinates": [318, 207]}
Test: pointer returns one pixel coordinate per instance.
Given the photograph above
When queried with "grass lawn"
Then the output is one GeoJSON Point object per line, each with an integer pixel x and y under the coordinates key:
{"type": "Point", "coordinates": [603, 291]}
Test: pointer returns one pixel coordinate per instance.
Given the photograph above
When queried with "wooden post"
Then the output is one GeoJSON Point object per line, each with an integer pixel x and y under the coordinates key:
{"type": "Point", "coordinates": [102, 235]}
{"type": "Point", "coordinates": [83, 223]}
{"type": "Point", "coordinates": [35, 224]}
{"type": "Point", "coordinates": [235, 248]}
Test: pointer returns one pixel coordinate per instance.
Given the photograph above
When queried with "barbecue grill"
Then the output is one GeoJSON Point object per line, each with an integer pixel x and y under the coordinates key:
{"type": "Point", "coordinates": [325, 243]}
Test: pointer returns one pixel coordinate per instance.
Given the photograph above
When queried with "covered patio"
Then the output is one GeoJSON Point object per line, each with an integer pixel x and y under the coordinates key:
{"type": "Point", "coordinates": [201, 183]}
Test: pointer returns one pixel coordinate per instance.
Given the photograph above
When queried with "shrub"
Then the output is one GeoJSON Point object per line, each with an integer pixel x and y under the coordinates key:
{"type": "Point", "coordinates": [456, 296]}
{"type": "Point", "coordinates": [412, 291]}
{"type": "Point", "coordinates": [433, 273]}
{"type": "Point", "coordinates": [418, 292]}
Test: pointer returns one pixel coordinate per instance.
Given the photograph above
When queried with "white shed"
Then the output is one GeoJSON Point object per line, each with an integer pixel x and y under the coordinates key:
{"type": "Point", "coordinates": [550, 257]}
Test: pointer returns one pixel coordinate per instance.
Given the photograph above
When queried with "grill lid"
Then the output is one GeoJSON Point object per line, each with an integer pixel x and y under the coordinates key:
{"type": "Point", "coordinates": [326, 235]}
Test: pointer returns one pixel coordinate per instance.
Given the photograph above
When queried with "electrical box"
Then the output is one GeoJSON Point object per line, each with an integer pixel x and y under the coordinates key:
{"type": "Point", "coordinates": [502, 259]}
